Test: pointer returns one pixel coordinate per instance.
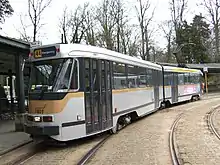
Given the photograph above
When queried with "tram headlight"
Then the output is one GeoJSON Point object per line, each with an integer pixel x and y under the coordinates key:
{"type": "Point", "coordinates": [37, 118]}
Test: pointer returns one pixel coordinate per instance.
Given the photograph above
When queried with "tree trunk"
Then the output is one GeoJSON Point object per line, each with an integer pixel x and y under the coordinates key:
{"type": "Point", "coordinates": [142, 41]}
{"type": "Point", "coordinates": [217, 58]}
{"type": "Point", "coordinates": [35, 27]}
{"type": "Point", "coordinates": [147, 44]}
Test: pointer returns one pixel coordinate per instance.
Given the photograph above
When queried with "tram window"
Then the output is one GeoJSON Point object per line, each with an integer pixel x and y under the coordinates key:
{"type": "Point", "coordinates": [74, 82]}
{"type": "Point", "coordinates": [197, 78]}
{"type": "Point", "coordinates": [160, 77]}
{"type": "Point", "coordinates": [141, 77]}
{"type": "Point", "coordinates": [67, 77]}
{"type": "Point", "coordinates": [87, 74]}
{"type": "Point", "coordinates": [90, 75]}
{"type": "Point", "coordinates": [119, 74]}
{"type": "Point", "coordinates": [166, 80]}
{"type": "Point", "coordinates": [132, 77]}
{"type": "Point", "coordinates": [191, 78]}
{"type": "Point", "coordinates": [180, 79]}
{"type": "Point", "coordinates": [186, 78]}
{"type": "Point", "coordinates": [149, 74]}
{"type": "Point", "coordinates": [94, 78]}
{"type": "Point", "coordinates": [108, 67]}
{"type": "Point", "coordinates": [169, 78]}
{"type": "Point", "coordinates": [103, 75]}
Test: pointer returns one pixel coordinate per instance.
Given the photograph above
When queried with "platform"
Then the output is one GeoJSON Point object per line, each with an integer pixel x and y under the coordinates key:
{"type": "Point", "coordinates": [10, 139]}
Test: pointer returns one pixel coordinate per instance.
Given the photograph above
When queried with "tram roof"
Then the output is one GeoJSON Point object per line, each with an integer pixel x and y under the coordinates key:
{"type": "Point", "coordinates": [181, 70]}
{"type": "Point", "coordinates": [80, 50]}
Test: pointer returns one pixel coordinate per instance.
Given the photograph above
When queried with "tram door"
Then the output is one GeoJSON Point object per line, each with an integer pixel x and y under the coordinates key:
{"type": "Point", "coordinates": [156, 81]}
{"type": "Point", "coordinates": [175, 88]}
{"type": "Point", "coordinates": [98, 95]}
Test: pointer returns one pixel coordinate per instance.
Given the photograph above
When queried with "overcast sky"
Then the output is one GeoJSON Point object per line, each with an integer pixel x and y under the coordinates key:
{"type": "Point", "coordinates": [50, 32]}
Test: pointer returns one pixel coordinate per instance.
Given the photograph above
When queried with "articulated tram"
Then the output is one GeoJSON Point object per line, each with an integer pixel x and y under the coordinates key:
{"type": "Point", "coordinates": [80, 90]}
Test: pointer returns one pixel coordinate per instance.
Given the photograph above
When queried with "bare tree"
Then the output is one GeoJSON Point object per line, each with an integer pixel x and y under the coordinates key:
{"type": "Point", "coordinates": [35, 10]}
{"type": "Point", "coordinates": [178, 8]}
{"type": "Point", "coordinates": [23, 30]}
{"type": "Point", "coordinates": [167, 28]}
{"type": "Point", "coordinates": [125, 33]}
{"type": "Point", "coordinates": [144, 22]}
{"type": "Point", "coordinates": [64, 27]}
{"type": "Point", "coordinates": [148, 34]}
{"type": "Point", "coordinates": [213, 9]}
{"type": "Point", "coordinates": [90, 23]}
{"type": "Point", "coordinates": [107, 21]}
{"type": "Point", "coordinates": [77, 24]}
{"type": "Point", "coordinates": [133, 46]}
{"type": "Point", "coordinates": [122, 29]}
{"type": "Point", "coordinates": [73, 25]}
{"type": "Point", "coordinates": [118, 16]}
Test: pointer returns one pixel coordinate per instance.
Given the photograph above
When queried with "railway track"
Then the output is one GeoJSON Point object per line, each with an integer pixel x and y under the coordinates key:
{"type": "Point", "coordinates": [173, 151]}
{"type": "Point", "coordinates": [25, 153]}
{"type": "Point", "coordinates": [21, 153]}
{"type": "Point", "coordinates": [14, 148]}
{"type": "Point", "coordinates": [211, 114]}
{"type": "Point", "coordinates": [92, 151]}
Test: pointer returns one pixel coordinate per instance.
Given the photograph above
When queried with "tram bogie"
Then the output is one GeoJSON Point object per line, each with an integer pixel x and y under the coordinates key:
{"type": "Point", "coordinates": [80, 90]}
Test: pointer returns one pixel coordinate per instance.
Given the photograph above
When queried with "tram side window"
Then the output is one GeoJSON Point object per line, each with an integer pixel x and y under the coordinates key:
{"type": "Point", "coordinates": [191, 78]}
{"type": "Point", "coordinates": [186, 78]}
{"type": "Point", "coordinates": [165, 78]}
{"type": "Point", "coordinates": [149, 75]}
{"type": "Point", "coordinates": [132, 78]}
{"type": "Point", "coordinates": [119, 74]}
{"type": "Point", "coordinates": [141, 77]}
{"type": "Point", "coordinates": [196, 78]}
{"type": "Point", "coordinates": [160, 77]}
{"type": "Point", "coordinates": [168, 78]}
{"type": "Point", "coordinates": [87, 75]}
{"type": "Point", "coordinates": [180, 79]}
{"type": "Point", "coordinates": [74, 81]}
{"type": "Point", "coordinates": [136, 77]}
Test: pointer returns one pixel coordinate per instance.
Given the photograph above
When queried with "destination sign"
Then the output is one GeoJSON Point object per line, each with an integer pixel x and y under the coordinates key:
{"type": "Point", "coordinates": [45, 52]}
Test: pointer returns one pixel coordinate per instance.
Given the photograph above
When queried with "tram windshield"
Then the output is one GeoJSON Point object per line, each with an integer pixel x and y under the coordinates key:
{"type": "Point", "coordinates": [52, 75]}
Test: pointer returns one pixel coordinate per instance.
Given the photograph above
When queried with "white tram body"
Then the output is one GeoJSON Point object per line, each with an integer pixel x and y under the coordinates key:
{"type": "Point", "coordinates": [185, 85]}
{"type": "Point", "coordinates": [80, 90]}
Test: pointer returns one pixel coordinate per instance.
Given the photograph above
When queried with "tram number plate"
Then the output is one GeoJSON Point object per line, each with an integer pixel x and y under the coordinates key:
{"type": "Point", "coordinates": [37, 53]}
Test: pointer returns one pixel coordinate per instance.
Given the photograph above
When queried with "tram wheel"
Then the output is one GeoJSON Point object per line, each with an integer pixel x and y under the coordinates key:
{"type": "Point", "coordinates": [114, 130]}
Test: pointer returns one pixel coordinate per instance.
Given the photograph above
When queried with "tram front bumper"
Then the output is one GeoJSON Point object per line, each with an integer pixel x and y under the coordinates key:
{"type": "Point", "coordinates": [46, 130]}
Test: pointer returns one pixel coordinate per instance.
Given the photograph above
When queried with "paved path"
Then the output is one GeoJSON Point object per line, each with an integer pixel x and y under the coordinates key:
{"type": "Point", "coordinates": [146, 141]}
{"type": "Point", "coordinates": [196, 144]}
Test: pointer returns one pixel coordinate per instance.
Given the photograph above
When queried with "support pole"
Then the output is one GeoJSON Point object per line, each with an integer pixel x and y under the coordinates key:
{"type": "Point", "coordinates": [206, 82]}
{"type": "Point", "coordinates": [20, 116]}
{"type": "Point", "coordinates": [11, 90]}
{"type": "Point", "coordinates": [19, 62]}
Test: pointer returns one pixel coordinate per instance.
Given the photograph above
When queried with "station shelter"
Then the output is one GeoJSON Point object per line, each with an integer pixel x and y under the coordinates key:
{"type": "Point", "coordinates": [14, 75]}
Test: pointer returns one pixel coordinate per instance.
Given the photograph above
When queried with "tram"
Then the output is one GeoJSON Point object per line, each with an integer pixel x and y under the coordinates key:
{"type": "Point", "coordinates": [80, 90]}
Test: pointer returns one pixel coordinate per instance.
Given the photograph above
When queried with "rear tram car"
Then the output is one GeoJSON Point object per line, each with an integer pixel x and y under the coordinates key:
{"type": "Point", "coordinates": [80, 90]}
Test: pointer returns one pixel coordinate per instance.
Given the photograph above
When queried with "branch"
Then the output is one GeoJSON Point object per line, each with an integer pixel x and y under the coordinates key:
{"type": "Point", "coordinates": [44, 6]}
{"type": "Point", "coordinates": [31, 5]}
